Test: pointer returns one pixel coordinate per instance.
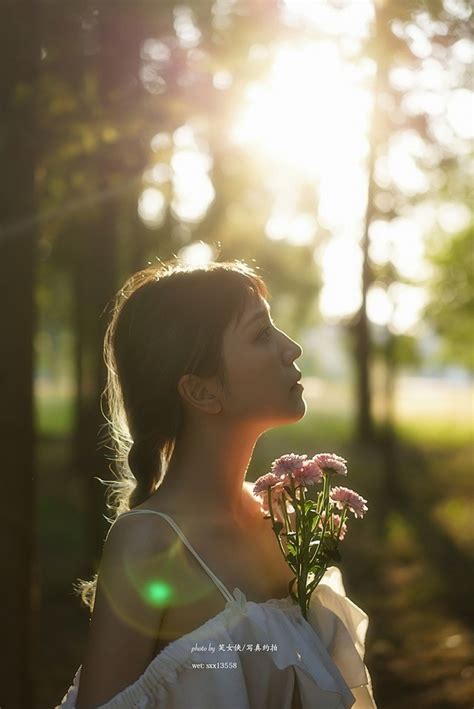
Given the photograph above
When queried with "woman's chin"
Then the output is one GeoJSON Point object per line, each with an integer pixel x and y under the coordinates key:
{"type": "Point", "coordinates": [304, 408]}
{"type": "Point", "coordinates": [299, 404]}
{"type": "Point", "coordinates": [294, 409]}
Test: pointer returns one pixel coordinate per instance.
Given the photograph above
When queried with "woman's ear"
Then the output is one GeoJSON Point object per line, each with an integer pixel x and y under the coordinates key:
{"type": "Point", "coordinates": [200, 393]}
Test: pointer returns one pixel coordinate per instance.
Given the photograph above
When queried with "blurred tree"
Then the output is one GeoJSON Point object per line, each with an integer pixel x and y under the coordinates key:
{"type": "Point", "coordinates": [396, 25]}
{"type": "Point", "coordinates": [395, 351]}
{"type": "Point", "coordinates": [93, 158]}
{"type": "Point", "coordinates": [18, 151]}
{"type": "Point", "coordinates": [451, 306]}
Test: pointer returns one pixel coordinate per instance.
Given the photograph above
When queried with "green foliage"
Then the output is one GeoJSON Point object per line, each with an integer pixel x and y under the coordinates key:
{"type": "Point", "coordinates": [451, 310]}
{"type": "Point", "coordinates": [406, 351]}
{"type": "Point", "coordinates": [402, 350]}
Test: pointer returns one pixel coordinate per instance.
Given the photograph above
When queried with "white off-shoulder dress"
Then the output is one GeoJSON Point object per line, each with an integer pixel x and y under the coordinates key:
{"type": "Point", "coordinates": [260, 650]}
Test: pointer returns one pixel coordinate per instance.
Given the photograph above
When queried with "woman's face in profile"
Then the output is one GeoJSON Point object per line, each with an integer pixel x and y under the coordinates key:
{"type": "Point", "coordinates": [260, 365]}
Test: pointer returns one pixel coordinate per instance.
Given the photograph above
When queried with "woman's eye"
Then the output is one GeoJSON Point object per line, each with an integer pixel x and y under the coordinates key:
{"type": "Point", "coordinates": [265, 334]}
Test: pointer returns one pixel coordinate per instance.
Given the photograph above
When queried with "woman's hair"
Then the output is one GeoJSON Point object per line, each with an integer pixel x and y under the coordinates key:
{"type": "Point", "coordinates": [167, 321]}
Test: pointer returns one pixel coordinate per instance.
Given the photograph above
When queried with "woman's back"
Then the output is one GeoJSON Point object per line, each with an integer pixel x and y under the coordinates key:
{"type": "Point", "coordinates": [125, 625]}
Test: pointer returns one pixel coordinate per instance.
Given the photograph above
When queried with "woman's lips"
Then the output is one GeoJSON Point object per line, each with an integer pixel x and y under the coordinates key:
{"type": "Point", "coordinates": [298, 384]}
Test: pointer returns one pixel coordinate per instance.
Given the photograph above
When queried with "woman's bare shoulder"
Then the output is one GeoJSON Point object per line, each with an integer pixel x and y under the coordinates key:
{"type": "Point", "coordinates": [142, 533]}
{"type": "Point", "coordinates": [130, 606]}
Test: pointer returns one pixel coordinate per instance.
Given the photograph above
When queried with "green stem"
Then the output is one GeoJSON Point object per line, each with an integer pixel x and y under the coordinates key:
{"type": "Point", "coordinates": [301, 580]}
{"type": "Point", "coordinates": [288, 528]}
{"type": "Point", "coordinates": [316, 580]}
{"type": "Point", "coordinates": [343, 519]}
{"type": "Point", "coordinates": [282, 501]}
{"type": "Point", "coordinates": [270, 507]}
{"type": "Point", "coordinates": [325, 506]}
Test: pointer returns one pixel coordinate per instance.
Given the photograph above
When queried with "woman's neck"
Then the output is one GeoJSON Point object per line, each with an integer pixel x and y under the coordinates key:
{"type": "Point", "coordinates": [207, 470]}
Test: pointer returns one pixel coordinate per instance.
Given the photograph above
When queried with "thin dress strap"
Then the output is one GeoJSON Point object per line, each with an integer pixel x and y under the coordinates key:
{"type": "Point", "coordinates": [227, 595]}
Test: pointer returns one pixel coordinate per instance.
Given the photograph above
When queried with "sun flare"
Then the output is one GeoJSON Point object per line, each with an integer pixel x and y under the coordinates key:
{"type": "Point", "coordinates": [303, 129]}
{"type": "Point", "coordinates": [309, 119]}
{"type": "Point", "coordinates": [310, 112]}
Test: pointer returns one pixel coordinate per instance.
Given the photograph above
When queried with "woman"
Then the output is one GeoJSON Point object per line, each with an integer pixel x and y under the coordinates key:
{"type": "Point", "coordinates": [197, 371]}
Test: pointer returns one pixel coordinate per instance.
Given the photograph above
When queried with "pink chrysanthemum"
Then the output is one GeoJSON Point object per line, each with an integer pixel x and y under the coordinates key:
{"type": "Point", "coordinates": [308, 474]}
{"type": "Point", "coordinates": [344, 497]}
{"type": "Point", "coordinates": [331, 463]}
{"type": "Point", "coordinates": [286, 465]}
{"type": "Point", "coordinates": [264, 482]}
{"type": "Point", "coordinates": [278, 497]}
{"type": "Point", "coordinates": [336, 521]}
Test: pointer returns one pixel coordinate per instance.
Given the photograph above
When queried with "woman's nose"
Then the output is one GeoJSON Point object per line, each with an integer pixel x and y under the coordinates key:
{"type": "Point", "coordinates": [291, 351]}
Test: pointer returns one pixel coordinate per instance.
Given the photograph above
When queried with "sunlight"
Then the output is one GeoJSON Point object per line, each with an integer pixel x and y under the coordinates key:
{"type": "Point", "coordinates": [193, 189]}
{"type": "Point", "coordinates": [152, 207]}
{"type": "Point", "coordinates": [379, 306]}
{"type": "Point", "coordinates": [408, 302]}
{"type": "Point", "coordinates": [400, 242]}
{"type": "Point", "coordinates": [461, 113]}
{"type": "Point", "coordinates": [196, 254]}
{"type": "Point", "coordinates": [453, 216]}
{"type": "Point", "coordinates": [298, 230]}
{"type": "Point", "coordinates": [309, 120]}
{"type": "Point", "coordinates": [341, 291]}
{"type": "Point", "coordinates": [343, 197]}
{"type": "Point", "coordinates": [306, 118]}
{"type": "Point", "coordinates": [350, 18]}
{"type": "Point", "coordinates": [398, 169]}
{"type": "Point", "coordinates": [306, 123]}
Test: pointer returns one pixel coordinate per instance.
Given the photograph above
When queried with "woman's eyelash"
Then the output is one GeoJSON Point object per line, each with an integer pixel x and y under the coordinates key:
{"type": "Point", "coordinates": [269, 327]}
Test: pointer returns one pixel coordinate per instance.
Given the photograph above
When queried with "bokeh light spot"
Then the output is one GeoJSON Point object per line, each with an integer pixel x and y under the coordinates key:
{"type": "Point", "coordinates": [158, 592]}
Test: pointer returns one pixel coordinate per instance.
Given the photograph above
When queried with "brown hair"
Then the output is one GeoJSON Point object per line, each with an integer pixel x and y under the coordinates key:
{"type": "Point", "coordinates": [167, 320]}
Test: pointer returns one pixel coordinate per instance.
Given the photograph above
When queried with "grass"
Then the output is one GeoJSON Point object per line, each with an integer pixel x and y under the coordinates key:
{"type": "Point", "coordinates": [54, 415]}
{"type": "Point", "coordinates": [434, 432]}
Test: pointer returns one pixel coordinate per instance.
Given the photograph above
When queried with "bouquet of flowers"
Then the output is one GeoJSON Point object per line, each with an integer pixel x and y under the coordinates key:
{"type": "Point", "coordinates": [313, 544]}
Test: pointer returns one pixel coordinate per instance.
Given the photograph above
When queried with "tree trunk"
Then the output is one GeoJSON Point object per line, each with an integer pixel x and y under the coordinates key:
{"type": "Point", "coordinates": [361, 329]}
{"type": "Point", "coordinates": [362, 341]}
{"type": "Point", "coordinates": [20, 589]}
